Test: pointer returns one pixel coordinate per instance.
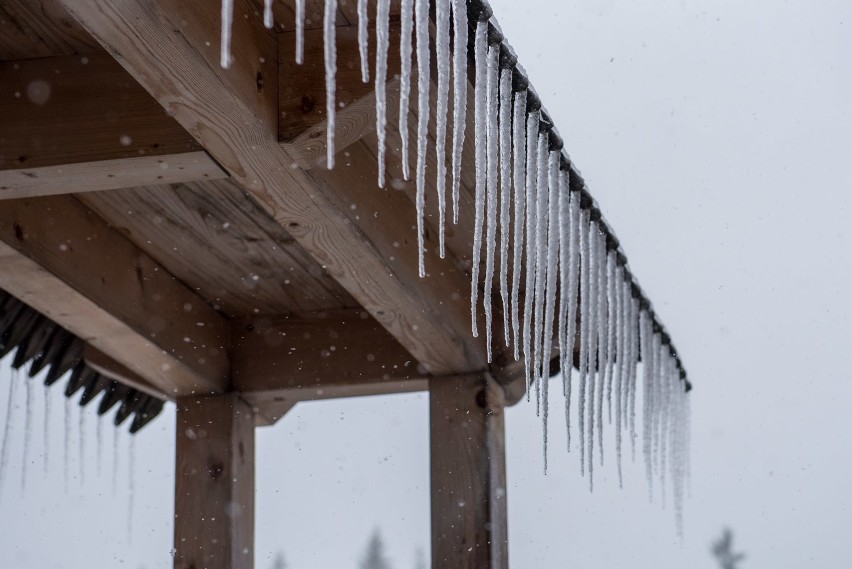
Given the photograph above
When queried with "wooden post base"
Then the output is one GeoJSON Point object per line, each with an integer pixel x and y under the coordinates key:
{"type": "Point", "coordinates": [469, 529]}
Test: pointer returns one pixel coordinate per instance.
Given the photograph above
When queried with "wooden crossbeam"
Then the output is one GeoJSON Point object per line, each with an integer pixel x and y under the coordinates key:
{"type": "Point", "coordinates": [171, 47]}
{"type": "Point", "coordinates": [81, 123]}
{"type": "Point", "coordinates": [65, 262]}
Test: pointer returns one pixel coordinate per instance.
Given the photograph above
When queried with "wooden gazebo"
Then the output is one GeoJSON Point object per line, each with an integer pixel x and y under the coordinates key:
{"type": "Point", "coordinates": [169, 231]}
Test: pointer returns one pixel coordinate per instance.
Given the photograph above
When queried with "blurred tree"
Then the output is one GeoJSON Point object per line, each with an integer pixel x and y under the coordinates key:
{"type": "Point", "coordinates": [278, 562]}
{"type": "Point", "coordinates": [723, 551]}
{"type": "Point", "coordinates": [374, 558]}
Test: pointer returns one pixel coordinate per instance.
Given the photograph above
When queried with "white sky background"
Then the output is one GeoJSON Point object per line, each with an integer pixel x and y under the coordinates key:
{"type": "Point", "coordinates": [716, 138]}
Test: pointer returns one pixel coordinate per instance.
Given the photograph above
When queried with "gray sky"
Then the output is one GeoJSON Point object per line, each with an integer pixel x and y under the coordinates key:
{"type": "Point", "coordinates": [715, 138]}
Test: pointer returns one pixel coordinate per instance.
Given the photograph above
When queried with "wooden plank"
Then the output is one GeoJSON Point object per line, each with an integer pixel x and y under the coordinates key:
{"type": "Point", "coordinates": [108, 175]}
{"type": "Point", "coordinates": [75, 124]}
{"type": "Point", "coordinates": [109, 367]}
{"type": "Point", "coordinates": [40, 28]}
{"type": "Point", "coordinates": [329, 354]}
{"type": "Point", "coordinates": [166, 52]}
{"type": "Point", "coordinates": [65, 262]}
{"type": "Point", "coordinates": [242, 261]}
{"type": "Point", "coordinates": [214, 483]}
{"type": "Point", "coordinates": [468, 465]}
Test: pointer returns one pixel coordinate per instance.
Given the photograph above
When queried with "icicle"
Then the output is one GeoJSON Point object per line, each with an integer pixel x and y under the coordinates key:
{"type": "Point", "coordinates": [67, 454]}
{"type": "Point", "coordinates": [570, 291]}
{"type": "Point", "coordinates": [543, 213]}
{"type": "Point", "coordinates": [460, 25]}
{"type": "Point", "coordinates": [618, 376]}
{"type": "Point", "coordinates": [421, 17]}
{"type": "Point", "coordinates": [7, 429]}
{"type": "Point", "coordinates": [480, 51]}
{"type": "Point", "coordinates": [363, 40]}
{"type": "Point", "coordinates": [632, 371]}
{"type": "Point", "coordinates": [382, 46]}
{"type": "Point", "coordinates": [330, 49]}
{"type": "Point", "coordinates": [115, 455]}
{"type": "Point", "coordinates": [505, 195]}
{"type": "Point", "coordinates": [28, 430]}
{"type": "Point", "coordinates": [647, 396]}
{"type": "Point", "coordinates": [611, 324]}
{"type": "Point", "coordinates": [100, 446]}
{"type": "Point", "coordinates": [602, 338]}
{"type": "Point", "coordinates": [655, 400]}
{"type": "Point", "coordinates": [585, 329]}
{"type": "Point", "coordinates": [300, 31]}
{"type": "Point", "coordinates": [406, 30]}
{"type": "Point", "coordinates": [46, 434]}
{"type": "Point", "coordinates": [531, 223]}
{"type": "Point", "coordinates": [550, 285]}
{"type": "Point", "coordinates": [492, 189]}
{"type": "Point", "coordinates": [227, 23]}
{"type": "Point", "coordinates": [268, 19]}
{"type": "Point", "coordinates": [519, 146]}
{"type": "Point", "coordinates": [442, 55]}
{"type": "Point", "coordinates": [594, 231]}
{"type": "Point", "coordinates": [131, 483]}
{"type": "Point", "coordinates": [82, 443]}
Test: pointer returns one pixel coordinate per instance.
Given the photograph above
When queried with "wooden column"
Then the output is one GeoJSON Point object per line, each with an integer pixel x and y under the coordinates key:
{"type": "Point", "coordinates": [468, 465]}
{"type": "Point", "coordinates": [214, 487]}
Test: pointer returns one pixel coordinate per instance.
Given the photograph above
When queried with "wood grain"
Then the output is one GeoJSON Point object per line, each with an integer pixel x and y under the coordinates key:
{"type": "Point", "coordinates": [214, 483]}
{"type": "Point", "coordinates": [469, 526]}
{"type": "Point", "coordinates": [40, 28]}
{"type": "Point", "coordinates": [65, 262]}
{"type": "Point", "coordinates": [217, 240]}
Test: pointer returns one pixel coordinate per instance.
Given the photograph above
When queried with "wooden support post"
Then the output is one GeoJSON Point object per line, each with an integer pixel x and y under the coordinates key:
{"type": "Point", "coordinates": [469, 529]}
{"type": "Point", "coordinates": [214, 486]}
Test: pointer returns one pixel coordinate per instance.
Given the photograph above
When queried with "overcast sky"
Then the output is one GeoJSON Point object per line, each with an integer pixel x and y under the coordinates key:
{"type": "Point", "coordinates": [716, 138]}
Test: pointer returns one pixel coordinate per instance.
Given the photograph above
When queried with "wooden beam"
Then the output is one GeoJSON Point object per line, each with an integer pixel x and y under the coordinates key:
{"type": "Point", "coordinates": [65, 262]}
{"type": "Point", "coordinates": [109, 367]}
{"type": "Point", "coordinates": [82, 123]}
{"type": "Point", "coordinates": [469, 528]}
{"type": "Point", "coordinates": [214, 483]}
{"type": "Point", "coordinates": [171, 47]}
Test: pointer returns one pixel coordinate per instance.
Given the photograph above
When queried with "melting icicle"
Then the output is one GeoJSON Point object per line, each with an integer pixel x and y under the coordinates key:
{"type": "Point", "coordinates": [300, 31]}
{"type": "Point", "coordinates": [550, 286]}
{"type": "Point", "coordinates": [28, 430]}
{"type": "Point", "coordinates": [382, 46]}
{"type": "Point", "coordinates": [421, 16]}
{"type": "Point", "coordinates": [406, 29]}
{"type": "Point", "coordinates": [505, 194]}
{"type": "Point", "coordinates": [618, 299]}
{"type": "Point", "coordinates": [268, 20]}
{"type": "Point", "coordinates": [480, 50]}
{"type": "Point", "coordinates": [7, 429]}
{"type": "Point", "coordinates": [647, 368]}
{"type": "Point", "coordinates": [519, 146]}
{"type": "Point", "coordinates": [115, 450]}
{"type": "Point", "coordinates": [543, 213]}
{"type": "Point", "coordinates": [492, 189]}
{"type": "Point", "coordinates": [633, 356]}
{"type": "Point", "coordinates": [531, 224]}
{"type": "Point", "coordinates": [82, 443]}
{"type": "Point", "coordinates": [227, 23]}
{"type": "Point", "coordinates": [131, 483]}
{"type": "Point", "coordinates": [459, 95]}
{"type": "Point", "coordinates": [363, 40]}
{"type": "Point", "coordinates": [585, 330]}
{"type": "Point", "coordinates": [330, 50]}
{"type": "Point", "coordinates": [442, 54]}
{"type": "Point", "coordinates": [611, 324]}
{"type": "Point", "coordinates": [46, 434]}
{"type": "Point", "coordinates": [594, 231]}
{"type": "Point", "coordinates": [66, 456]}
{"type": "Point", "coordinates": [100, 446]}
{"type": "Point", "coordinates": [571, 290]}
{"type": "Point", "coordinates": [602, 338]}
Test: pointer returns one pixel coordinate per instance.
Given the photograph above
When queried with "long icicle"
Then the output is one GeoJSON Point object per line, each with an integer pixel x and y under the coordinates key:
{"type": "Point", "coordinates": [585, 308]}
{"type": "Point", "coordinates": [363, 40]}
{"type": "Point", "coordinates": [633, 351]}
{"type": "Point", "coordinates": [330, 50]}
{"type": "Point", "coordinates": [225, 40]}
{"type": "Point", "coordinates": [442, 54]}
{"type": "Point", "coordinates": [46, 433]}
{"type": "Point", "coordinates": [460, 26]}
{"type": "Point", "coordinates": [618, 299]}
{"type": "Point", "coordinates": [300, 31]}
{"type": "Point", "coordinates": [406, 18]}
{"type": "Point", "coordinates": [532, 210]}
{"type": "Point", "coordinates": [611, 324]}
{"type": "Point", "coordinates": [603, 327]}
{"type": "Point", "coordinates": [519, 172]}
{"type": "Point", "coordinates": [480, 50]}
{"type": "Point", "coordinates": [542, 205]}
{"type": "Point", "coordinates": [492, 189]}
{"type": "Point", "coordinates": [573, 285]}
{"type": "Point", "coordinates": [382, 47]}
{"type": "Point", "coordinates": [28, 430]}
{"type": "Point", "coordinates": [421, 17]}
{"type": "Point", "coordinates": [594, 231]}
{"type": "Point", "coordinates": [554, 190]}
{"type": "Point", "coordinates": [268, 19]}
{"type": "Point", "coordinates": [647, 369]}
{"type": "Point", "coordinates": [7, 430]}
{"type": "Point", "coordinates": [505, 195]}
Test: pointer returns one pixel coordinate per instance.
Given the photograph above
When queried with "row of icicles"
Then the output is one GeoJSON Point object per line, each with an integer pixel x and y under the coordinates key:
{"type": "Point", "coordinates": [533, 212]}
